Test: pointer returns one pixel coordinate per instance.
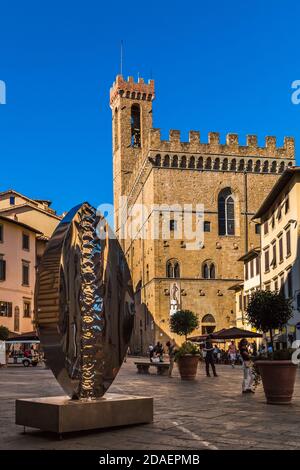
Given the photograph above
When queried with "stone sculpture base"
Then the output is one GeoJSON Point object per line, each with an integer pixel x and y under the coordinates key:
{"type": "Point", "coordinates": [61, 414]}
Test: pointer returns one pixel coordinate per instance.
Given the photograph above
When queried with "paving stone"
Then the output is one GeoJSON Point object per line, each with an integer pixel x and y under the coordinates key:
{"type": "Point", "coordinates": [209, 413]}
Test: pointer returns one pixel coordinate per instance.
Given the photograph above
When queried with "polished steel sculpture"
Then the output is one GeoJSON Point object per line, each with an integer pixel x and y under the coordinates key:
{"type": "Point", "coordinates": [84, 304]}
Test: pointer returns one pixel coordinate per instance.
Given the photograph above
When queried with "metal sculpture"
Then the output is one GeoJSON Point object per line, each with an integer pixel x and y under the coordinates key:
{"type": "Point", "coordinates": [84, 304]}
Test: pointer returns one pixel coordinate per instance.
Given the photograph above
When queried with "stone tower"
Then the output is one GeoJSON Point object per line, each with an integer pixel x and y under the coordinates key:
{"type": "Point", "coordinates": [229, 179]}
{"type": "Point", "coordinates": [131, 105]}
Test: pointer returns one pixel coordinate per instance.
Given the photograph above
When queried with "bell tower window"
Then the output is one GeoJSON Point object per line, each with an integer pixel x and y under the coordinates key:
{"type": "Point", "coordinates": [135, 126]}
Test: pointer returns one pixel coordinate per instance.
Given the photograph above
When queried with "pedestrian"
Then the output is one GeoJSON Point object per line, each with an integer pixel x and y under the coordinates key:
{"type": "Point", "coordinates": [215, 353]}
{"type": "Point", "coordinates": [151, 352]}
{"type": "Point", "coordinates": [159, 351]}
{"type": "Point", "coordinates": [262, 350]}
{"type": "Point", "coordinates": [171, 351]}
{"type": "Point", "coordinates": [209, 356]}
{"type": "Point", "coordinates": [232, 353]}
{"type": "Point", "coordinates": [156, 357]}
{"type": "Point", "coordinates": [248, 376]}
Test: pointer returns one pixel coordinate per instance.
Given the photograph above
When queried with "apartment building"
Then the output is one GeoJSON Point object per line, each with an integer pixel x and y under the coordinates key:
{"type": "Point", "coordinates": [17, 274]}
{"type": "Point", "coordinates": [244, 290]}
{"type": "Point", "coordinates": [36, 213]}
{"type": "Point", "coordinates": [25, 227]}
{"type": "Point", "coordinates": [279, 216]}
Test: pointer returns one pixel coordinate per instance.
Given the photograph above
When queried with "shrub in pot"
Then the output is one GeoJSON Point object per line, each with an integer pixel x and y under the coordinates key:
{"type": "Point", "coordinates": [267, 311]}
{"type": "Point", "coordinates": [183, 322]}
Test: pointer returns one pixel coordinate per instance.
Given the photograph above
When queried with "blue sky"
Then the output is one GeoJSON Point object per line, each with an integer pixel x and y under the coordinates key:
{"type": "Point", "coordinates": [223, 66]}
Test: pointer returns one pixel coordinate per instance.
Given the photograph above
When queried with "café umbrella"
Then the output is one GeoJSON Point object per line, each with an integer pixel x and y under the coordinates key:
{"type": "Point", "coordinates": [227, 334]}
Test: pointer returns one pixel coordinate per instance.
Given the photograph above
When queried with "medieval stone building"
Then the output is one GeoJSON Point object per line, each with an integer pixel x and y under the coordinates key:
{"type": "Point", "coordinates": [151, 174]}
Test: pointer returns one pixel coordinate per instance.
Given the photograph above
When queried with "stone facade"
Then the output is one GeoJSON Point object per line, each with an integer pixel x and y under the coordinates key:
{"type": "Point", "coordinates": [151, 173]}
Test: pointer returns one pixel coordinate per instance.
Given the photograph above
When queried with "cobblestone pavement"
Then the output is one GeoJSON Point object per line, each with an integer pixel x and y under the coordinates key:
{"type": "Point", "coordinates": [210, 413]}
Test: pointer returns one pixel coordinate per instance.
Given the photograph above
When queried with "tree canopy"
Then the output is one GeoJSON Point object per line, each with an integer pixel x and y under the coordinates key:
{"type": "Point", "coordinates": [183, 322]}
{"type": "Point", "coordinates": [268, 311]}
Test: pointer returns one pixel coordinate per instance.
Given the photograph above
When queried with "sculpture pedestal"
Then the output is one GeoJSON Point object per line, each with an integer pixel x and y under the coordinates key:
{"type": "Point", "coordinates": [61, 414]}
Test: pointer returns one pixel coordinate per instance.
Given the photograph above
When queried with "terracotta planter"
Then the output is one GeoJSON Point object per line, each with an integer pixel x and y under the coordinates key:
{"type": "Point", "coordinates": [278, 378]}
{"type": "Point", "coordinates": [187, 366]}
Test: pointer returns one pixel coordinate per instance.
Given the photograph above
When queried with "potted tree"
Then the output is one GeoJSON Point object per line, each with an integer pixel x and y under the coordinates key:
{"type": "Point", "coordinates": [183, 322]}
{"type": "Point", "coordinates": [268, 311]}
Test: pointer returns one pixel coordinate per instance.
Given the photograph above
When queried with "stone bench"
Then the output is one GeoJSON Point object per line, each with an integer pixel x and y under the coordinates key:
{"type": "Point", "coordinates": [162, 368]}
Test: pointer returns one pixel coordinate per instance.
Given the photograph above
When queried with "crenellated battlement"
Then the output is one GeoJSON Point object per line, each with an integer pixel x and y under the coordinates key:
{"type": "Point", "coordinates": [133, 90]}
{"type": "Point", "coordinates": [215, 147]}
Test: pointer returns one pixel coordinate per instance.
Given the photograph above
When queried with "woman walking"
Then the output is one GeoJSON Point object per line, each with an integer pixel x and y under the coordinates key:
{"type": "Point", "coordinates": [248, 376]}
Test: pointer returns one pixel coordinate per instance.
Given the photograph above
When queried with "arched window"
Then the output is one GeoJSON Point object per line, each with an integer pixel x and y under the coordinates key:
{"type": "Point", "coordinates": [208, 270]}
{"type": "Point", "coordinates": [200, 163]}
{"type": "Point", "coordinates": [208, 324]}
{"type": "Point", "coordinates": [257, 166]}
{"type": "Point", "coordinates": [173, 268]}
{"type": "Point", "coordinates": [135, 126]}
{"type": "Point", "coordinates": [208, 163]}
{"type": "Point", "coordinates": [250, 165]}
{"type": "Point", "coordinates": [116, 129]}
{"type": "Point", "coordinates": [217, 164]}
{"type": "Point", "coordinates": [225, 164]}
{"type": "Point", "coordinates": [274, 166]}
{"type": "Point", "coordinates": [266, 166]}
{"type": "Point", "coordinates": [205, 271]}
{"type": "Point", "coordinates": [233, 164]}
{"type": "Point", "coordinates": [166, 161]}
{"type": "Point", "coordinates": [183, 162]}
{"type": "Point", "coordinates": [281, 167]}
{"type": "Point", "coordinates": [175, 161]}
{"type": "Point", "coordinates": [242, 165]}
{"type": "Point", "coordinates": [226, 212]}
{"type": "Point", "coordinates": [158, 160]}
{"type": "Point", "coordinates": [192, 162]}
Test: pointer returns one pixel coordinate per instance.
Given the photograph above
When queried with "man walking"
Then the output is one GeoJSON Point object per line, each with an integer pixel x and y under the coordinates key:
{"type": "Point", "coordinates": [209, 358]}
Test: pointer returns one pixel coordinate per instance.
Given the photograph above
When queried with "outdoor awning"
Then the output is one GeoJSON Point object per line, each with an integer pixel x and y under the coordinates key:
{"type": "Point", "coordinates": [228, 333]}
{"type": "Point", "coordinates": [235, 333]}
{"type": "Point", "coordinates": [31, 335]}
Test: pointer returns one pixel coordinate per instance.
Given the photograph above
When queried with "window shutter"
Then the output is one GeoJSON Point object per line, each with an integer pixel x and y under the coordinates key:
{"type": "Point", "coordinates": [2, 270]}
{"type": "Point", "coordinates": [9, 309]}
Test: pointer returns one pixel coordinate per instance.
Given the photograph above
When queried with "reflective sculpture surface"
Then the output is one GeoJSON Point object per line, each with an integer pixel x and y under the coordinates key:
{"type": "Point", "coordinates": [84, 304]}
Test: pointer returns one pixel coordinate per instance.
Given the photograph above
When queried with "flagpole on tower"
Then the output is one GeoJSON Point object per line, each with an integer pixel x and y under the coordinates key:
{"type": "Point", "coordinates": [121, 58]}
